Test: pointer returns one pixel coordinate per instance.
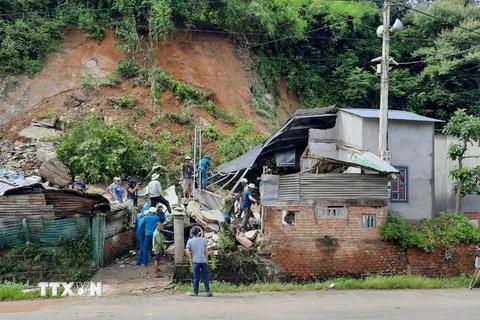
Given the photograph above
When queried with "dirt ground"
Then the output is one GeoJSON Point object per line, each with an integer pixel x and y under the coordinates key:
{"type": "Point", "coordinates": [124, 277]}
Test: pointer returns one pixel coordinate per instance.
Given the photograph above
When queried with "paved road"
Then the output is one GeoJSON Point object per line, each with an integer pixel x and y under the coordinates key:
{"type": "Point", "coordinates": [333, 304]}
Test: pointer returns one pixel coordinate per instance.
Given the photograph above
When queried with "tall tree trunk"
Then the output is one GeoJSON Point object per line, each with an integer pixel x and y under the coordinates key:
{"type": "Point", "coordinates": [458, 198]}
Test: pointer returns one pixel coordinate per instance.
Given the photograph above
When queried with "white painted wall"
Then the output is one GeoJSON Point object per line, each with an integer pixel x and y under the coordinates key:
{"type": "Point", "coordinates": [444, 196]}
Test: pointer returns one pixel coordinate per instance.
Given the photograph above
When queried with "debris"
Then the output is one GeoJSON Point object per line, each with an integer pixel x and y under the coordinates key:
{"type": "Point", "coordinates": [243, 240]}
{"type": "Point", "coordinates": [36, 133]}
{"type": "Point", "coordinates": [251, 235]}
{"type": "Point", "coordinates": [213, 216]}
{"type": "Point", "coordinates": [56, 172]}
{"type": "Point", "coordinates": [45, 122]}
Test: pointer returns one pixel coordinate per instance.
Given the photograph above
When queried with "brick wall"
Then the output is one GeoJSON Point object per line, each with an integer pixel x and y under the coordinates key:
{"type": "Point", "coordinates": [325, 247]}
{"type": "Point", "coordinates": [435, 265]}
{"type": "Point", "coordinates": [321, 247]}
{"type": "Point", "coordinates": [119, 244]}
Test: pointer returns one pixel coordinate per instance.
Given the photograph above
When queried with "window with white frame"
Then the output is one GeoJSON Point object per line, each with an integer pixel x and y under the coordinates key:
{"type": "Point", "coordinates": [331, 212]}
{"type": "Point", "coordinates": [399, 186]}
{"type": "Point", "coordinates": [369, 220]}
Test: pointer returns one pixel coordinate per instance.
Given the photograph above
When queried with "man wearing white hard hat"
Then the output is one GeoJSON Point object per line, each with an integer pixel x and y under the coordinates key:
{"type": "Point", "coordinates": [155, 193]}
{"type": "Point", "coordinates": [246, 203]}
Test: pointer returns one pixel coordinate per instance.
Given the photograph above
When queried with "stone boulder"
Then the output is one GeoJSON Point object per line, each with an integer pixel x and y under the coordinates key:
{"type": "Point", "coordinates": [56, 172]}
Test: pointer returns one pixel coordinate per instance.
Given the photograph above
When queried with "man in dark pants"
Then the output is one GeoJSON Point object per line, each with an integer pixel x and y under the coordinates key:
{"type": "Point", "coordinates": [197, 253]}
{"type": "Point", "coordinates": [246, 203]}
{"type": "Point", "coordinates": [155, 193]}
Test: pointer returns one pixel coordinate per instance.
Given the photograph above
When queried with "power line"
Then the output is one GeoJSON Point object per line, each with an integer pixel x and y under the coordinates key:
{"type": "Point", "coordinates": [436, 18]}
{"type": "Point", "coordinates": [442, 57]}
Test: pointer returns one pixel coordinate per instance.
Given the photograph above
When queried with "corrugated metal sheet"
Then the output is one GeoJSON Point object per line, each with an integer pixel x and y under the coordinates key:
{"type": "Point", "coordinates": [30, 182]}
{"type": "Point", "coordinates": [307, 186]}
{"type": "Point", "coordinates": [69, 202]}
{"type": "Point", "coordinates": [25, 205]}
{"type": "Point", "coordinates": [392, 115]}
{"type": "Point", "coordinates": [289, 187]}
{"type": "Point", "coordinates": [335, 152]}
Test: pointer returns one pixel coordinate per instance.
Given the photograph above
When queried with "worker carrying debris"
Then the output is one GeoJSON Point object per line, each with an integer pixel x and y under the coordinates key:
{"type": "Point", "coordinates": [246, 204]}
{"type": "Point", "coordinates": [230, 206]}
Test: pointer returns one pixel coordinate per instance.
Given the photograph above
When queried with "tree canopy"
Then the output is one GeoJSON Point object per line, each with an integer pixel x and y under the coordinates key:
{"type": "Point", "coordinates": [322, 48]}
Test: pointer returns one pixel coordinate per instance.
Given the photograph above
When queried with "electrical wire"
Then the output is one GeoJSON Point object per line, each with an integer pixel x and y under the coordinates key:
{"type": "Point", "coordinates": [440, 58]}
{"type": "Point", "coordinates": [433, 17]}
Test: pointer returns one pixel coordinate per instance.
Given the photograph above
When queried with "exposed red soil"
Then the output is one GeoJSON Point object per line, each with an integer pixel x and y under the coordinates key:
{"type": "Point", "coordinates": [204, 60]}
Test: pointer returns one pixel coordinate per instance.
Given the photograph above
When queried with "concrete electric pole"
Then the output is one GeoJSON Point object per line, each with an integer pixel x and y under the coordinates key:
{"type": "Point", "coordinates": [383, 121]}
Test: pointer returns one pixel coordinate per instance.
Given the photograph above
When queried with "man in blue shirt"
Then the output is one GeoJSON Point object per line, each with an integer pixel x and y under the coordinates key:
{"type": "Point", "coordinates": [150, 222]}
{"type": "Point", "coordinates": [78, 183]}
{"type": "Point", "coordinates": [116, 189]}
{"type": "Point", "coordinates": [246, 203]}
{"type": "Point", "coordinates": [203, 165]}
{"type": "Point", "coordinates": [197, 253]}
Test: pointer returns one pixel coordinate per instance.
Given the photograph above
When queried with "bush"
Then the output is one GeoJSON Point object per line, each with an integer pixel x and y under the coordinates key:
{"type": "Point", "coordinates": [124, 102]}
{"type": "Point", "coordinates": [181, 119]}
{"type": "Point", "coordinates": [129, 68]}
{"type": "Point", "coordinates": [99, 152]}
{"type": "Point", "coordinates": [431, 234]}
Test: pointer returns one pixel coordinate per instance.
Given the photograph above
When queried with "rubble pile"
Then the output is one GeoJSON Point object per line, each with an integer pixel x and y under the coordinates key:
{"type": "Point", "coordinates": [26, 155]}
{"type": "Point", "coordinates": [210, 221]}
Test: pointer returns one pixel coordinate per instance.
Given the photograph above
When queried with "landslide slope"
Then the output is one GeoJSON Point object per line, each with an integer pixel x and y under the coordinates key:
{"type": "Point", "coordinates": [205, 61]}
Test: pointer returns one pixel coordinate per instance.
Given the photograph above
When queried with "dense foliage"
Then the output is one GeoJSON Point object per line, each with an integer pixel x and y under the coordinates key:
{"type": "Point", "coordinates": [322, 48]}
{"type": "Point", "coordinates": [467, 129]}
{"type": "Point", "coordinates": [431, 234]}
{"type": "Point", "coordinates": [99, 152]}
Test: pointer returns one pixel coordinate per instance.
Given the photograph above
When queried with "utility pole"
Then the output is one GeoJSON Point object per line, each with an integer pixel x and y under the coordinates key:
{"type": "Point", "coordinates": [383, 121]}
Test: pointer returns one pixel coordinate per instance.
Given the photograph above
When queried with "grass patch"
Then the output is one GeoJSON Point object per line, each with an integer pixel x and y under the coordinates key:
{"type": "Point", "coordinates": [370, 282]}
{"type": "Point", "coordinates": [14, 291]}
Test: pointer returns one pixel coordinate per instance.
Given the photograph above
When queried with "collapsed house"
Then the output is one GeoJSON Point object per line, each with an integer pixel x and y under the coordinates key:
{"type": "Point", "coordinates": [33, 212]}
{"type": "Point", "coordinates": [322, 207]}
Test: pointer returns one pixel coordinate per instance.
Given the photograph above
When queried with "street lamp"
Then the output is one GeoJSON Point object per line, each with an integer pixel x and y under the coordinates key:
{"type": "Point", "coordinates": [384, 32]}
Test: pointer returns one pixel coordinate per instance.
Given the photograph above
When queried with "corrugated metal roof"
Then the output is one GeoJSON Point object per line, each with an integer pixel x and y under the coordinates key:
{"type": "Point", "coordinates": [293, 133]}
{"type": "Point", "coordinates": [7, 185]}
{"type": "Point", "coordinates": [347, 156]}
{"type": "Point", "coordinates": [392, 115]}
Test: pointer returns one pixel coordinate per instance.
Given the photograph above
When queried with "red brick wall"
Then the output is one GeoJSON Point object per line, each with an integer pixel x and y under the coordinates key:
{"type": "Point", "coordinates": [119, 244]}
{"type": "Point", "coordinates": [316, 248]}
{"type": "Point", "coordinates": [435, 265]}
{"type": "Point", "coordinates": [472, 215]}
{"type": "Point", "coordinates": [325, 247]}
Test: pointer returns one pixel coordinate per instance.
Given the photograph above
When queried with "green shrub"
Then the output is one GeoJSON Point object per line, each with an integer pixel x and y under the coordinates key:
{"type": "Point", "coordinates": [431, 234]}
{"type": "Point", "coordinates": [129, 68]}
{"type": "Point", "coordinates": [181, 119]}
{"type": "Point", "coordinates": [86, 83]}
{"type": "Point", "coordinates": [124, 102]}
{"type": "Point", "coordinates": [111, 80]}
{"type": "Point", "coordinates": [99, 152]}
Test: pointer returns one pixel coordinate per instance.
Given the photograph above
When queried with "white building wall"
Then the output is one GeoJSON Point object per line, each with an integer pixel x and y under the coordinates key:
{"type": "Point", "coordinates": [411, 144]}
{"type": "Point", "coordinates": [444, 196]}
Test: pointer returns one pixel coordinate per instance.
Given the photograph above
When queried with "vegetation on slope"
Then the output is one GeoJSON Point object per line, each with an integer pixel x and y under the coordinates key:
{"type": "Point", "coordinates": [324, 48]}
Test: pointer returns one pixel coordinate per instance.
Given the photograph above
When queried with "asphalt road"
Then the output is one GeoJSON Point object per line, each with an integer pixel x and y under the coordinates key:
{"type": "Point", "coordinates": [333, 304]}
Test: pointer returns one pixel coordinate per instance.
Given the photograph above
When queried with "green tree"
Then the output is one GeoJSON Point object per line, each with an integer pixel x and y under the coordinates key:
{"type": "Point", "coordinates": [467, 129]}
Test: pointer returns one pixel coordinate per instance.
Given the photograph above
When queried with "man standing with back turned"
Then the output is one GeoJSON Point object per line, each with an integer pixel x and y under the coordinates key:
{"type": "Point", "coordinates": [197, 253]}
